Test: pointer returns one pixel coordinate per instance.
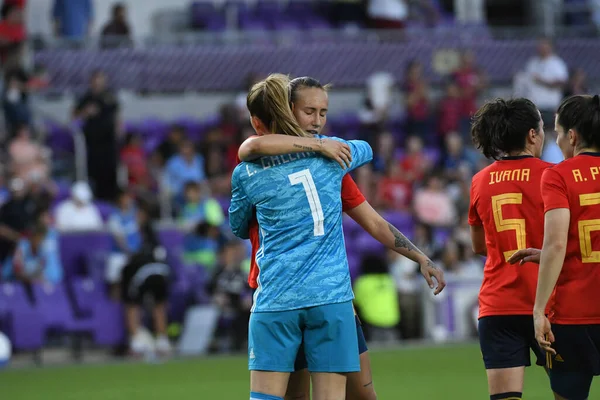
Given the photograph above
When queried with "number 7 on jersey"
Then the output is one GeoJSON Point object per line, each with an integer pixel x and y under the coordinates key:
{"type": "Point", "coordinates": [305, 179]}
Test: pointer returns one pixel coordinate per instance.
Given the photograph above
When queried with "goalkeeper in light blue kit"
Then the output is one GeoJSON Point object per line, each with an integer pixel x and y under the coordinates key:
{"type": "Point", "coordinates": [304, 291]}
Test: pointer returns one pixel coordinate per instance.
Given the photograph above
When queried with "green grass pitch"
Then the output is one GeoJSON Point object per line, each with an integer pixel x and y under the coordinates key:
{"type": "Point", "coordinates": [428, 373]}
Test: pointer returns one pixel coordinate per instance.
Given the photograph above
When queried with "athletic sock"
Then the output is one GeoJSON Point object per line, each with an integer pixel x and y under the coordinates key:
{"type": "Point", "coordinates": [507, 396]}
{"type": "Point", "coordinates": [262, 396]}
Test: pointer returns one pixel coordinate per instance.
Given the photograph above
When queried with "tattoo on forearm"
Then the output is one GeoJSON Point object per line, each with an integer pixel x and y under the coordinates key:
{"type": "Point", "coordinates": [303, 148]}
{"type": "Point", "coordinates": [430, 264]}
{"type": "Point", "coordinates": [401, 241]}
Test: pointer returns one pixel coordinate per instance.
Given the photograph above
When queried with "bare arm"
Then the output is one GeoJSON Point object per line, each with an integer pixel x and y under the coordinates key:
{"type": "Point", "coordinates": [556, 229]}
{"type": "Point", "coordinates": [478, 240]}
{"type": "Point", "coordinates": [273, 145]}
{"type": "Point", "coordinates": [8, 233]}
{"type": "Point", "coordinates": [394, 240]}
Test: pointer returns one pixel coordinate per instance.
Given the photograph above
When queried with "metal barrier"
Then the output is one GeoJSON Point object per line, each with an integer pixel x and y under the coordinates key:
{"type": "Point", "coordinates": [81, 173]}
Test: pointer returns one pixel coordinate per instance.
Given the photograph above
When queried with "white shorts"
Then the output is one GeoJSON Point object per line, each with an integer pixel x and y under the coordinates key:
{"type": "Point", "coordinates": [114, 266]}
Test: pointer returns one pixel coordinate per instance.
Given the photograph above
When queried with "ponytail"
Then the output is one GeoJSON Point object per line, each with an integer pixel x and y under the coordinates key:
{"type": "Point", "coordinates": [269, 100]}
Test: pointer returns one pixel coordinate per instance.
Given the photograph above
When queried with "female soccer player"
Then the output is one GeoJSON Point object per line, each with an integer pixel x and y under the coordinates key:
{"type": "Point", "coordinates": [570, 257]}
{"type": "Point", "coordinates": [505, 214]}
{"type": "Point", "coordinates": [304, 294]}
{"type": "Point", "coordinates": [309, 101]}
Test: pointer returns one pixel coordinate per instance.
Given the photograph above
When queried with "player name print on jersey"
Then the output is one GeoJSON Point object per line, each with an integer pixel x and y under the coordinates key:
{"type": "Point", "coordinates": [267, 162]}
{"type": "Point", "coordinates": [519, 175]}
{"type": "Point", "coordinates": [586, 174]}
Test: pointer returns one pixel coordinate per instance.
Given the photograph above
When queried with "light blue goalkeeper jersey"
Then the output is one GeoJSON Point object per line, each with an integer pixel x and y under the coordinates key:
{"type": "Point", "coordinates": [302, 258]}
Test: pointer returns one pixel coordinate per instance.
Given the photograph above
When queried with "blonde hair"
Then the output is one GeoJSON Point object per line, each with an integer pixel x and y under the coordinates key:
{"type": "Point", "coordinates": [269, 101]}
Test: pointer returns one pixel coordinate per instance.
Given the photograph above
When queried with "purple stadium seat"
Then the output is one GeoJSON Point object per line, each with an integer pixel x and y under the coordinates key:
{"type": "Point", "coordinates": [350, 227]}
{"type": "Point", "coordinates": [285, 24]}
{"type": "Point", "coordinates": [18, 319]}
{"type": "Point", "coordinates": [402, 220]}
{"type": "Point", "coordinates": [366, 244]}
{"type": "Point", "coordinates": [300, 8]}
{"type": "Point", "coordinates": [53, 304]}
{"type": "Point", "coordinates": [76, 248]}
{"type": "Point", "coordinates": [433, 154]}
{"type": "Point", "coordinates": [105, 208]}
{"type": "Point", "coordinates": [171, 239]}
{"type": "Point", "coordinates": [269, 8]}
{"type": "Point", "coordinates": [251, 24]}
{"type": "Point", "coordinates": [354, 265]}
{"type": "Point", "coordinates": [441, 235]}
{"type": "Point", "coordinates": [313, 22]}
{"type": "Point", "coordinates": [105, 316]}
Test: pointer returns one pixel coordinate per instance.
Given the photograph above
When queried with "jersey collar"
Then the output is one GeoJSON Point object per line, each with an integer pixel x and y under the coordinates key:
{"type": "Point", "coordinates": [518, 157]}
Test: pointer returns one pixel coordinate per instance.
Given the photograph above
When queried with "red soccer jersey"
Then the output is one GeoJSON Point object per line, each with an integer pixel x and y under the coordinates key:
{"type": "Point", "coordinates": [351, 197]}
{"type": "Point", "coordinates": [575, 184]}
{"type": "Point", "coordinates": [506, 201]}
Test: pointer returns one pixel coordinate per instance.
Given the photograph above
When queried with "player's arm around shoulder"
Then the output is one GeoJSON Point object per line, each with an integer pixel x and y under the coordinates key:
{"type": "Point", "coordinates": [361, 152]}
{"type": "Point", "coordinates": [241, 208]}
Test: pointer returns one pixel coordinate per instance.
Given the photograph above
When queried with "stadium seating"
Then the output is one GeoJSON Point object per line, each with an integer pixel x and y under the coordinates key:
{"type": "Point", "coordinates": [19, 319]}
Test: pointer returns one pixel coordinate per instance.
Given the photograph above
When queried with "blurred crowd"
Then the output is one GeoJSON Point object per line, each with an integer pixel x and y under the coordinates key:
{"type": "Point", "coordinates": [422, 166]}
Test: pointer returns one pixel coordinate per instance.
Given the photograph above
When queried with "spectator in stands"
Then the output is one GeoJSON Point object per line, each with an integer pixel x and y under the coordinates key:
{"type": "Point", "coordinates": [416, 92]}
{"type": "Point", "coordinates": [73, 18]}
{"type": "Point", "coordinates": [36, 259]}
{"type": "Point", "coordinates": [424, 12]}
{"type": "Point", "coordinates": [376, 299]}
{"type": "Point", "coordinates": [28, 159]}
{"type": "Point", "coordinates": [415, 163]}
{"type": "Point", "coordinates": [546, 76]}
{"type": "Point", "coordinates": [127, 239]}
{"type": "Point", "coordinates": [384, 152]}
{"type": "Point", "coordinates": [240, 99]}
{"type": "Point", "coordinates": [348, 13]}
{"type": "Point", "coordinates": [116, 32]}
{"type": "Point", "coordinates": [456, 263]}
{"type": "Point", "coordinates": [4, 192]}
{"type": "Point", "coordinates": [12, 33]}
{"type": "Point", "coordinates": [133, 158]}
{"type": "Point", "coordinates": [16, 216]}
{"type": "Point", "coordinates": [395, 190]}
{"type": "Point", "coordinates": [201, 218]}
{"type": "Point", "coordinates": [15, 100]}
{"type": "Point", "coordinates": [170, 146]}
{"type": "Point", "coordinates": [471, 82]}
{"type": "Point", "coordinates": [379, 101]}
{"type": "Point", "coordinates": [220, 146]}
{"type": "Point", "coordinates": [200, 207]}
{"type": "Point", "coordinates": [146, 277]}
{"type": "Point", "coordinates": [408, 284]}
{"type": "Point", "coordinates": [388, 14]}
{"type": "Point", "coordinates": [187, 166]}
{"type": "Point", "coordinates": [229, 290]}
{"type": "Point", "coordinates": [78, 213]}
{"type": "Point", "coordinates": [99, 109]}
{"type": "Point", "coordinates": [450, 110]}
{"type": "Point", "coordinates": [457, 156]}
{"type": "Point", "coordinates": [433, 205]}
{"type": "Point", "coordinates": [577, 84]}
{"type": "Point", "coordinates": [470, 11]}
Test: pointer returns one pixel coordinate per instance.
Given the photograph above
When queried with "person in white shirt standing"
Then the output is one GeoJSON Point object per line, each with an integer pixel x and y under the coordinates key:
{"type": "Point", "coordinates": [546, 74]}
